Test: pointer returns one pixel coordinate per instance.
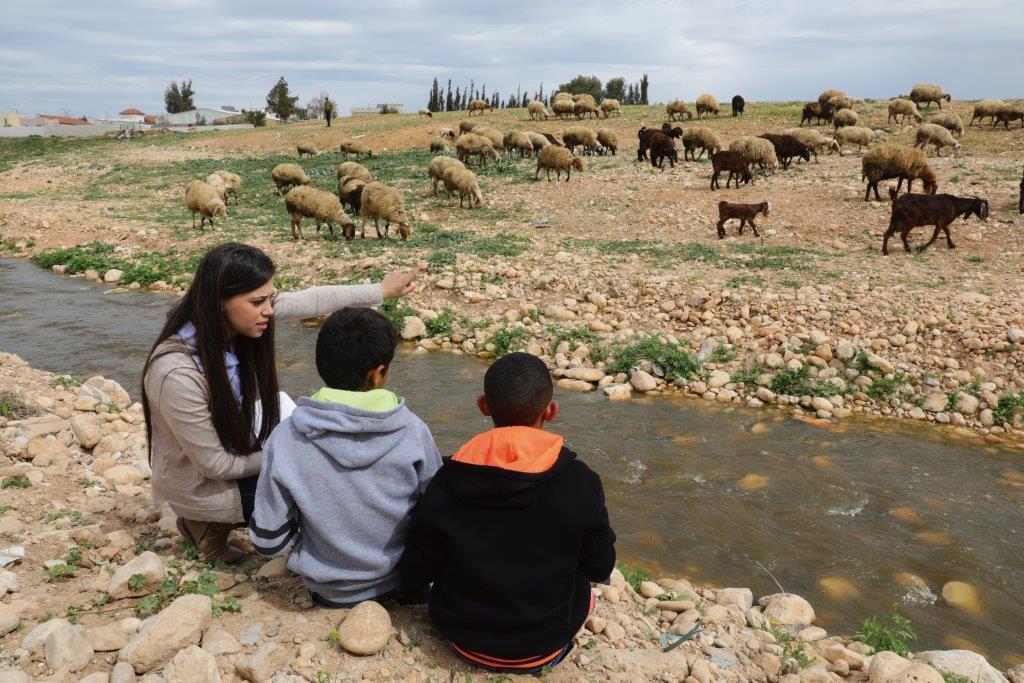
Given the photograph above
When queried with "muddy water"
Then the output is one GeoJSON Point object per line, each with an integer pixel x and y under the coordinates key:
{"type": "Point", "coordinates": [835, 513]}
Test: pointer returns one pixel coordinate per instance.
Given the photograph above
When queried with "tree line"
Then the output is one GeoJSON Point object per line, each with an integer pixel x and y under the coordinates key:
{"type": "Point", "coordinates": [457, 98]}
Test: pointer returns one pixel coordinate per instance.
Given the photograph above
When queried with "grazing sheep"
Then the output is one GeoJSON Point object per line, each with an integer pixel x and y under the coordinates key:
{"type": "Point", "coordinates": [829, 94]}
{"type": "Point", "coordinates": [609, 140]}
{"type": "Point", "coordinates": [926, 93]}
{"type": "Point", "coordinates": [203, 199]}
{"type": "Point", "coordinates": [845, 117]}
{"type": "Point", "coordinates": [563, 108]}
{"type": "Point", "coordinates": [677, 108]}
{"type": "Point", "coordinates": [496, 137]}
{"type": "Point", "coordinates": [815, 141]}
{"type": "Point", "coordinates": [519, 141]}
{"type": "Point", "coordinates": [889, 161]}
{"type": "Point", "coordinates": [307, 148]}
{"type": "Point", "coordinates": [816, 110]}
{"type": "Point", "coordinates": [437, 167]}
{"type": "Point", "coordinates": [610, 106]}
{"type": "Point", "coordinates": [663, 147]}
{"type": "Point", "coordinates": [383, 203]}
{"type": "Point", "coordinates": [855, 135]}
{"type": "Point", "coordinates": [217, 183]}
{"type": "Point", "coordinates": [931, 133]}
{"type": "Point", "coordinates": [580, 136]}
{"type": "Point", "coordinates": [353, 169]}
{"type": "Point", "coordinates": [901, 109]}
{"type": "Point", "coordinates": [950, 121]}
{"type": "Point", "coordinates": [320, 205]}
{"type": "Point", "coordinates": [233, 181]}
{"type": "Point", "coordinates": [738, 104]}
{"type": "Point", "coordinates": [538, 140]}
{"type": "Point", "coordinates": [707, 104]}
{"type": "Point", "coordinates": [356, 148]}
{"type": "Point", "coordinates": [733, 162]}
{"type": "Point", "coordinates": [466, 127]}
{"type": "Point", "coordinates": [913, 210]}
{"type": "Point", "coordinates": [480, 106]}
{"type": "Point", "coordinates": [472, 144]}
{"type": "Point", "coordinates": [756, 151]}
{"type": "Point", "coordinates": [1008, 115]}
{"type": "Point", "coordinates": [745, 213]}
{"type": "Point", "coordinates": [447, 133]}
{"type": "Point", "coordinates": [644, 137]}
{"type": "Point", "coordinates": [703, 138]}
{"type": "Point", "coordinates": [558, 159]}
{"type": "Point", "coordinates": [463, 181]}
{"type": "Point", "coordinates": [426, 112]}
{"type": "Point", "coordinates": [585, 108]}
{"type": "Point", "coordinates": [841, 102]}
{"type": "Point", "coordinates": [438, 144]}
{"type": "Point", "coordinates": [563, 96]}
{"type": "Point", "coordinates": [787, 147]}
{"type": "Point", "coordinates": [350, 191]}
{"type": "Point", "coordinates": [536, 110]}
{"type": "Point", "coordinates": [285, 175]}
{"type": "Point", "coordinates": [987, 108]}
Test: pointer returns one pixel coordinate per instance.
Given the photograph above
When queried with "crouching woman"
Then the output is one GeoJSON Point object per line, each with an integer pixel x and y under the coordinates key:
{"type": "Point", "coordinates": [210, 387]}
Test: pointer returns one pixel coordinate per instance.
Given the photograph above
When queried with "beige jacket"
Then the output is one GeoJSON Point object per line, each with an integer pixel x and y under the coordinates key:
{"type": "Point", "coordinates": [191, 470]}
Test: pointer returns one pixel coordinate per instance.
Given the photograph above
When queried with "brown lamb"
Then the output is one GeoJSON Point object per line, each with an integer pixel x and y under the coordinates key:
{"type": "Point", "coordinates": [913, 210]}
{"type": "Point", "coordinates": [745, 213]}
{"type": "Point", "coordinates": [663, 147]}
{"type": "Point", "coordinates": [733, 162]}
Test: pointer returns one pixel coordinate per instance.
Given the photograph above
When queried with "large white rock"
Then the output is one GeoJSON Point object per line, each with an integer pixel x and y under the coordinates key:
{"type": "Point", "coordinates": [965, 663]}
{"type": "Point", "coordinates": [643, 381]}
{"type": "Point", "coordinates": [86, 431]}
{"type": "Point", "coordinates": [67, 648]}
{"type": "Point", "coordinates": [262, 664]}
{"type": "Point", "coordinates": [219, 642]}
{"type": "Point", "coordinates": [718, 378]}
{"type": "Point", "coordinates": [788, 609]}
{"type": "Point", "coordinates": [585, 374]}
{"type": "Point", "coordinates": [366, 629]}
{"type": "Point", "coordinates": [105, 391]}
{"type": "Point", "coordinates": [36, 638]}
{"type": "Point", "coordinates": [740, 597]}
{"type": "Point", "coordinates": [192, 665]}
{"type": "Point", "coordinates": [413, 328]}
{"type": "Point", "coordinates": [885, 665]}
{"type": "Point", "coordinates": [180, 624]}
{"type": "Point", "coordinates": [124, 475]}
{"type": "Point", "coordinates": [109, 638]}
{"type": "Point", "coordinates": [148, 565]}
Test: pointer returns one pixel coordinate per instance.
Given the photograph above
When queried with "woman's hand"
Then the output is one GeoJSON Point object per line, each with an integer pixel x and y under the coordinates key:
{"type": "Point", "coordinates": [397, 283]}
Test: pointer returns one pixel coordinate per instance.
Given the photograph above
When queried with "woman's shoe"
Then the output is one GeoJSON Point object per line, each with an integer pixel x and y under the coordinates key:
{"type": "Point", "coordinates": [211, 539]}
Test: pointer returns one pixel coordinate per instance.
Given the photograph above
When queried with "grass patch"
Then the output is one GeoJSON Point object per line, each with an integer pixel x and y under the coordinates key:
{"type": "Point", "coordinates": [13, 406]}
{"type": "Point", "coordinates": [144, 267]}
{"type": "Point", "coordinates": [892, 635]}
{"type": "Point", "coordinates": [17, 482]}
{"type": "Point", "coordinates": [881, 390]}
{"type": "Point", "coordinates": [396, 312]}
{"type": "Point", "coordinates": [443, 325]}
{"type": "Point", "coordinates": [575, 336]}
{"type": "Point", "coordinates": [674, 359]}
{"type": "Point", "coordinates": [506, 340]}
{"type": "Point", "coordinates": [800, 382]}
{"type": "Point", "coordinates": [634, 575]}
{"type": "Point", "coordinates": [724, 354]}
{"type": "Point", "coordinates": [793, 656]}
{"type": "Point", "coordinates": [1007, 407]}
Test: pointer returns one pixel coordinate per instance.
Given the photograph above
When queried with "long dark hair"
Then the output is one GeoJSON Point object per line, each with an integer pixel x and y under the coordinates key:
{"type": "Point", "coordinates": [227, 270]}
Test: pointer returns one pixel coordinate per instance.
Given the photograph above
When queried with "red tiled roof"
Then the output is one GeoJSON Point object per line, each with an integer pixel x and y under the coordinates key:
{"type": "Point", "coordinates": [64, 120]}
{"type": "Point", "coordinates": [132, 111]}
{"type": "Point", "coordinates": [150, 118]}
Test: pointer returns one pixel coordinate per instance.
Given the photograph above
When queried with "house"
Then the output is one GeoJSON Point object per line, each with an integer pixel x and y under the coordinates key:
{"type": "Point", "coordinates": [392, 108]}
{"type": "Point", "coordinates": [53, 120]}
{"type": "Point", "coordinates": [132, 115]}
{"type": "Point", "coordinates": [9, 119]}
{"type": "Point", "coordinates": [203, 116]}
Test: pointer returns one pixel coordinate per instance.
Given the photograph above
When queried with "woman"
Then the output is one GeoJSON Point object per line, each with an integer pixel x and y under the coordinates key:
{"type": "Point", "coordinates": [209, 367]}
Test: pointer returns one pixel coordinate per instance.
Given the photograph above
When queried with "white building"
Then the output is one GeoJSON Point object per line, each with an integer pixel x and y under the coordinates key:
{"type": "Point", "coordinates": [393, 107]}
{"type": "Point", "coordinates": [202, 116]}
{"type": "Point", "coordinates": [132, 115]}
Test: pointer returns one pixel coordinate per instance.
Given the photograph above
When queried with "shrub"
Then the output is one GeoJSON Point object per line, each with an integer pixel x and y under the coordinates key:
{"type": "Point", "coordinates": [257, 118]}
{"type": "Point", "coordinates": [634, 575]}
{"type": "Point", "coordinates": [675, 360]}
{"type": "Point", "coordinates": [891, 636]}
{"type": "Point", "coordinates": [13, 406]}
{"type": "Point", "coordinates": [17, 482]}
{"type": "Point", "coordinates": [799, 382]}
{"type": "Point", "coordinates": [507, 339]}
{"type": "Point", "coordinates": [443, 325]}
{"type": "Point", "coordinates": [1007, 407]}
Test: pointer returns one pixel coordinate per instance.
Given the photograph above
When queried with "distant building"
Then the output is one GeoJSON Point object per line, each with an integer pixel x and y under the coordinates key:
{"type": "Point", "coordinates": [9, 119]}
{"type": "Point", "coordinates": [53, 120]}
{"type": "Point", "coordinates": [204, 116]}
{"type": "Point", "coordinates": [392, 107]}
{"type": "Point", "coordinates": [132, 115]}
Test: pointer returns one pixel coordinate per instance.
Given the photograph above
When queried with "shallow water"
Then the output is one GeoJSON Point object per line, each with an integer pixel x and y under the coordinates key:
{"type": "Point", "coordinates": [691, 488]}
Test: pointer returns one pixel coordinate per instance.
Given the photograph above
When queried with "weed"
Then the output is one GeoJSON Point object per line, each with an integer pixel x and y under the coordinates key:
{"type": "Point", "coordinates": [13, 407]}
{"type": "Point", "coordinates": [136, 581]}
{"type": "Point", "coordinates": [793, 656]}
{"type": "Point", "coordinates": [799, 382]}
{"type": "Point", "coordinates": [334, 638]}
{"type": "Point", "coordinates": [1007, 407]}
{"type": "Point", "coordinates": [948, 677]}
{"type": "Point", "coordinates": [440, 258]}
{"type": "Point", "coordinates": [205, 583]}
{"type": "Point", "coordinates": [724, 354]}
{"type": "Point", "coordinates": [737, 281]}
{"type": "Point", "coordinates": [74, 612]}
{"type": "Point", "coordinates": [60, 572]}
{"type": "Point", "coordinates": [443, 325]}
{"type": "Point", "coordinates": [575, 336]}
{"type": "Point", "coordinates": [145, 542]}
{"type": "Point", "coordinates": [396, 312]}
{"type": "Point", "coordinates": [507, 339]}
{"type": "Point", "coordinates": [143, 267]}
{"type": "Point", "coordinates": [15, 482]}
{"type": "Point", "coordinates": [67, 381]}
{"type": "Point", "coordinates": [748, 375]}
{"type": "Point", "coordinates": [86, 482]}
{"type": "Point", "coordinates": [634, 575]}
{"type": "Point", "coordinates": [229, 604]}
{"type": "Point", "coordinates": [891, 636]}
{"type": "Point", "coordinates": [881, 390]}
{"type": "Point", "coordinates": [675, 360]}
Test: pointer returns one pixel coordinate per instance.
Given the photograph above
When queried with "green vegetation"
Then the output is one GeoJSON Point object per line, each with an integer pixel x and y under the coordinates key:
{"type": "Point", "coordinates": [740, 256]}
{"type": "Point", "coordinates": [800, 382]}
{"type": "Point", "coordinates": [143, 267]}
{"type": "Point", "coordinates": [675, 360]}
{"type": "Point", "coordinates": [892, 636]}
{"type": "Point", "coordinates": [793, 655]}
{"type": "Point", "coordinates": [634, 575]}
{"type": "Point", "coordinates": [507, 339]}
{"type": "Point", "coordinates": [881, 390]}
{"type": "Point", "coordinates": [396, 312]}
{"type": "Point", "coordinates": [724, 354]}
{"type": "Point", "coordinates": [575, 336]}
{"type": "Point", "coordinates": [16, 482]}
{"type": "Point", "coordinates": [443, 325]}
{"type": "Point", "coordinates": [748, 375]}
{"type": "Point", "coordinates": [14, 407]}
{"type": "Point", "coordinates": [1008, 407]}
{"type": "Point", "coordinates": [204, 583]}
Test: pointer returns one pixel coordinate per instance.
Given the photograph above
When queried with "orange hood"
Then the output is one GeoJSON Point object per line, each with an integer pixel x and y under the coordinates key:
{"type": "Point", "coordinates": [517, 449]}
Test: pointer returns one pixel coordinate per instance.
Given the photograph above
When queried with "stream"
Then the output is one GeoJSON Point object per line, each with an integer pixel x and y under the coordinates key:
{"type": "Point", "coordinates": [693, 488]}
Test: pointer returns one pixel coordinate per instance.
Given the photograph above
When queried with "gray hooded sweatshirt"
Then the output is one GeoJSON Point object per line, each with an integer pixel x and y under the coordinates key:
{"type": "Point", "coordinates": [337, 485]}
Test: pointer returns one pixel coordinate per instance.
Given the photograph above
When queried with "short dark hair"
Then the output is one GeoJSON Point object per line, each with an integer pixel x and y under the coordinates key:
{"type": "Point", "coordinates": [351, 343]}
{"type": "Point", "coordinates": [518, 388]}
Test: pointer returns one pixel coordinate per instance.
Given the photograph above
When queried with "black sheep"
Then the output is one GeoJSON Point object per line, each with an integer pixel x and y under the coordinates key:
{"type": "Point", "coordinates": [737, 105]}
{"type": "Point", "coordinates": [787, 147]}
{"type": "Point", "coordinates": [644, 136]}
{"type": "Point", "coordinates": [663, 147]}
{"type": "Point", "coordinates": [816, 110]}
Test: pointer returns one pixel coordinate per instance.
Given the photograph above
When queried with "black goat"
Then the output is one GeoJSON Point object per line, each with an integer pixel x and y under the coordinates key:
{"type": "Point", "coordinates": [663, 147]}
{"type": "Point", "coordinates": [816, 110]}
{"type": "Point", "coordinates": [644, 137]}
{"type": "Point", "coordinates": [787, 147]}
{"type": "Point", "coordinates": [913, 210]}
{"type": "Point", "coordinates": [738, 103]}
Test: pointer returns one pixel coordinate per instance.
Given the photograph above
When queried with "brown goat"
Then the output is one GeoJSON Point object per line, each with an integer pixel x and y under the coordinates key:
{"type": "Point", "coordinates": [913, 210]}
{"type": "Point", "coordinates": [663, 147]}
{"type": "Point", "coordinates": [645, 133]}
{"type": "Point", "coordinates": [733, 162]}
{"type": "Point", "coordinates": [816, 110]}
{"type": "Point", "coordinates": [1007, 116]}
{"type": "Point", "coordinates": [745, 213]}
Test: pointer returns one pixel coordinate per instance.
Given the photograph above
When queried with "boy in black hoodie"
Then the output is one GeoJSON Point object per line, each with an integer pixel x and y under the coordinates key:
{"type": "Point", "coordinates": [511, 531]}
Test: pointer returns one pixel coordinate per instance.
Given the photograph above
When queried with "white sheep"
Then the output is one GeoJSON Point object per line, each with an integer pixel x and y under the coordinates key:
{"type": "Point", "coordinates": [934, 134]}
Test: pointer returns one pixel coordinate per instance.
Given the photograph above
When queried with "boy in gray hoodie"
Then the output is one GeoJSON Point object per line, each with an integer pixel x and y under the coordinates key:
{"type": "Point", "coordinates": [341, 475]}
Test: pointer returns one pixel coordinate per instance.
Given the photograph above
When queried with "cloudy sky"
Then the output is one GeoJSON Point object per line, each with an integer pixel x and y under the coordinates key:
{"type": "Point", "coordinates": [100, 57]}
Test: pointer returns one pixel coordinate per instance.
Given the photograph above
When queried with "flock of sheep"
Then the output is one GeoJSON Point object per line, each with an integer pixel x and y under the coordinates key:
{"type": "Point", "coordinates": [379, 202]}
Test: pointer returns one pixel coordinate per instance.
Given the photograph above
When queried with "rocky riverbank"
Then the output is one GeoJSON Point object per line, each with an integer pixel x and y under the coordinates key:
{"type": "Point", "coordinates": [96, 586]}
